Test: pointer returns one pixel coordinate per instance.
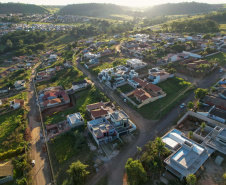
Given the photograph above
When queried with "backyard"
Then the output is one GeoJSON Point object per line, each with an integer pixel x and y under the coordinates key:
{"type": "Point", "coordinates": [176, 90]}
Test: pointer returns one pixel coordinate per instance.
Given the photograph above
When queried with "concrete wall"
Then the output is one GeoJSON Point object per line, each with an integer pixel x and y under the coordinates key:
{"type": "Point", "coordinates": [202, 117]}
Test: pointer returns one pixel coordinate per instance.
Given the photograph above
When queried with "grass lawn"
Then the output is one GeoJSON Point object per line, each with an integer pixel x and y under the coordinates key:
{"type": "Point", "coordinates": [84, 97]}
{"type": "Point", "coordinates": [220, 57]}
{"type": "Point", "coordinates": [176, 89]}
{"type": "Point", "coordinates": [11, 130]}
{"type": "Point", "coordinates": [66, 149]}
{"type": "Point", "coordinates": [126, 88]}
{"type": "Point", "coordinates": [63, 77]}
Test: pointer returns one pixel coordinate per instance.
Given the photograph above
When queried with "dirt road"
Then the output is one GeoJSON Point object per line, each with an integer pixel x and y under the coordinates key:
{"type": "Point", "coordinates": [41, 172]}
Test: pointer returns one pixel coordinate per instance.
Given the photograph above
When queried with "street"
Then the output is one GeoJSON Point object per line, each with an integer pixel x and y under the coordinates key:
{"type": "Point", "coordinates": [148, 129]}
{"type": "Point", "coordinates": [41, 172]}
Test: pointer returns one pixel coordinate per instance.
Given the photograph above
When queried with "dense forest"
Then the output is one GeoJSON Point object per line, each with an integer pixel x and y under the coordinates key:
{"type": "Point", "coordinates": [6, 8]}
{"type": "Point", "coordinates": [181, 8]}
{"type": "Point", "coordinates": [196, 26]}
{"type": "Point", "coordinates": [219, 17]}
{"type": "Point", "coordinates": [93, 9]}
{"type": "Point", "coordinates": [22, 42]}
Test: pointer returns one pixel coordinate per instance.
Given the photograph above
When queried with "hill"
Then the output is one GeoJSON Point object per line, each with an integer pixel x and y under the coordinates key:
{"type": "Point", "coordinates": [94, 10]}
{"type": "Point", "coordinates": [181, 8]}
{"type": "Point", "coordinates": [6, 8]}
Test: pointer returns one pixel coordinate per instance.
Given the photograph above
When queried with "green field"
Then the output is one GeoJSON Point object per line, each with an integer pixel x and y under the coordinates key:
{"type": "Point", "coordinates": [220, 58]}
{"type": "Point", "coordinates": [176, 89]}
{"type": "Point", "coordinates": [126, 88]}
{"type": "Point", "coordinates": [12, 130]}
{"type": "Point", "coordinates": [66, 149]}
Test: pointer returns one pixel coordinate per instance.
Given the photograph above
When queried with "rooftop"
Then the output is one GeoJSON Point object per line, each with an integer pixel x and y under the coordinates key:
{"type": "Point", "coordinates": [119, 115]}
{"type": "Point", "coordinates": [74, 118]}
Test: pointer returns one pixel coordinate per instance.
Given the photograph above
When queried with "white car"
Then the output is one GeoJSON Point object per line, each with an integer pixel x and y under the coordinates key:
{"type": "Point", "coordinates": [33, 162]}
{"type": "Point", "coordinates": [182, 105]}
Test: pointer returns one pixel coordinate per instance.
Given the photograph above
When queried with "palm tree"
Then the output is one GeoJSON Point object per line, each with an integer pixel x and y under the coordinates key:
{"type": "Point", "coordinates": [190, 134]}
{"type": "Point", "coordinates": [203, 126]}
{"type": "Point", "coordinates": [159, 146]}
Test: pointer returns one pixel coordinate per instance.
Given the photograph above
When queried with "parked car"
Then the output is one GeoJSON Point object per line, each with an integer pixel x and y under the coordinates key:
{"type": "Point", "coordinates": [32, 163]}
{"type": "Point", "coordinates": [182, 105]}
{"type": "Point", "coordinates": [221, 70]}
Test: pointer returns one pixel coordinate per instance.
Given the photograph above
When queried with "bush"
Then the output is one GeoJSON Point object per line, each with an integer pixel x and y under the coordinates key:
{"type": "Point", "coordinates": [11, 153]}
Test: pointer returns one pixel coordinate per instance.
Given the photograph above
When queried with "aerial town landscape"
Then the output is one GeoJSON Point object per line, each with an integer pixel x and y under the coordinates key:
{"type": "Point", "coordinates": [106, 94]}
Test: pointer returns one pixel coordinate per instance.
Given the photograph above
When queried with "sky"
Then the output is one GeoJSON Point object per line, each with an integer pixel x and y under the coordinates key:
{"type": "Point", "coordinates": [134, 3]}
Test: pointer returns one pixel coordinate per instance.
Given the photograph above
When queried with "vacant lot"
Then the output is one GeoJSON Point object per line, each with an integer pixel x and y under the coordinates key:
{"type": "Point", "coordinates": [176, 89]}
{"type": "Point", "coordinates": [220, 58]}
{"type": "Point", "coordinates": [223, 28]}
{"type": "Point", "coordinates": [66, 149]}
{"type": "Point", "coordinates": [95, 70]}
{"type": "Point", "coordinates": [12, 126]}
{"type": "Point", "coordinates": [126, 88]}
{"type": "Point", "coordinates": [63, 77]}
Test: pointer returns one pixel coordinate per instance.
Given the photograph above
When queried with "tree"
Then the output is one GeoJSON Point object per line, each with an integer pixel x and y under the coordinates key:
{"type": "Point", "coordinates": [9, 43]}
{"type": "Point", "coordinates": [203, 126]}
{"type": "Point", "coordinates": [200, 93]}
{"type": "Point", "coordinates": [190, 134]}
{"type": "Point", "coordinates": [159, 147]}
{"type": "Point", "coordinates": [77, 172]}
{"type": "Point", "coordinates": [135, 172]}
{"type": "Point", "coordinates": [224, 176]}
{"type": "Point", "coordinates": [191, 179]}
{"type": "Point", "coordinates": [190, 105]}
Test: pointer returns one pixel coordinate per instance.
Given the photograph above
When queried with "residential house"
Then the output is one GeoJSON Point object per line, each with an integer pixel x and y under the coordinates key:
{"type": "Point", "coordinates": [120, 120]}
{"type": "Point", "coordinates": [133, 74]}
{"type": "Point", "coordinates": [158, 75]}
{"type": "Point", "coordinates": [135, 63]}
{"type": "Point", "coordinates": [217, 139]}
{"type": "Point", "coordinates": [91, 55]}
{"type": "Point", "coordinates": [51, 102]}
{"type": "Point", "coordinates": [79, 85]}
{"type": "Point", "coordinates": [15, 104]}
{"type": "Point", "coordinates": [102, 131]}
{"type": "Point", "coordinates": [187, 157]}
{"type": "Point", "coordinates": [4, 90]}
{"type": "Point", "coordinates": [212, 100]}
{"type": "Point", "coordinates": [20, 84]}
{"type": "Point", "coordinates": [94, 61]}
{"type": "Point", "coordinates": [194, 55]}
{"type": "Point", "coordinates": [75, 119]}
{"type": "Point", "coordinates": [223, 94]}
{"type": "Point", "coordinates": [100, 110]}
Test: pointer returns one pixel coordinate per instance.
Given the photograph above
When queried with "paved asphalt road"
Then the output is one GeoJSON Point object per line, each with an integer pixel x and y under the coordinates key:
{"type": "Point", "coordinates": [41, 172]}
{"type": "Point", "coordinates": [149, 129]}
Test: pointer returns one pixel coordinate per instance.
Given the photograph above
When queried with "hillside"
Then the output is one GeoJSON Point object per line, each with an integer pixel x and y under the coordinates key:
{"type": "Point", "coordinates": [6, 8]}
{"type": "Point", "coordinates": [181, 8]}
{"type": "Point", "coordinates": [94, 9]}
